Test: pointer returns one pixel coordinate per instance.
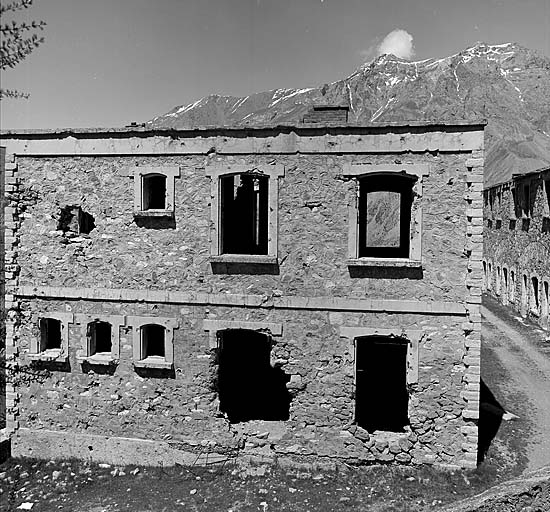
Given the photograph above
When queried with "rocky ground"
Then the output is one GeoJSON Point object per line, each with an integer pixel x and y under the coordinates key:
{"type": "Point", "coordinates": [514, 418]}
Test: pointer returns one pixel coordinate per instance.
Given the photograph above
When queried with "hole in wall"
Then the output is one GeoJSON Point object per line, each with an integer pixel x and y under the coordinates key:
{"type": "Point", "coordinates": [249, 387]}
{"type": "Point", "coordinates": [72, 219]}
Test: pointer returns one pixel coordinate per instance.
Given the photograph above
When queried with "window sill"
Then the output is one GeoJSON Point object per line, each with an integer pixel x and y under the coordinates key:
{"type": "Point", "coordinates": [154, 213]}
{"type": "Point", "coordinates": [101, 359]}
{"type": "Point", "coordinates": [53, 354]}
{"type": "Point", "coordinates": [154, 362]}
{"type": "Point", "coordinates": [384, 262]}
{"type": "Point", "coordinates": [260, 259]}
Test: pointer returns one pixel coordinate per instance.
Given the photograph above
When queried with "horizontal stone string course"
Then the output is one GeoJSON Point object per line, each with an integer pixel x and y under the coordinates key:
{"type": "Point", "coordinates": [223, 299]}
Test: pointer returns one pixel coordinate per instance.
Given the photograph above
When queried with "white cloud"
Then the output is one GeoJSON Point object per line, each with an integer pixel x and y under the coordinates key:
{"type": "Point", "coordinates": [398, 42]}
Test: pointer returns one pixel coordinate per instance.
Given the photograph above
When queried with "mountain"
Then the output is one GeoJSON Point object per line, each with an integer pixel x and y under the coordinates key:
{"type": "Point", "coordinates": [507, 84]}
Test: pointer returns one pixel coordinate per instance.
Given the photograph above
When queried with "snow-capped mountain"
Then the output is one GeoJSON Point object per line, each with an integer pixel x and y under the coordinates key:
{"type": "Point", "coordinates": [507, 84]}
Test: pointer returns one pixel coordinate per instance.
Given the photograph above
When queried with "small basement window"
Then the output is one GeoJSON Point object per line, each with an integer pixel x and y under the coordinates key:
{"type": "Point", "coordinates": [249, 387]}
{"type": "Point", "coordinates": [154, 192]}
{"type": "Point", "coordinates": [381, 399]}
{"type": "Point", "coordinates": [50, 334]}
{"type": "Point", "coordinates": [99, 338]}
{"type": "Point", "coordinates": [152, 341]}
{"type": "Point", "coordinates": [244, 212]}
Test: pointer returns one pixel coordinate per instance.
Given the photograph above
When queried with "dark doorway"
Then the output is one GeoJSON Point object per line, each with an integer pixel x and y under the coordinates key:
{"type": "Point", "coordinates": [382, 399]}
{"type": "Point", "coordinates": [249, 387]}
{"type": "Point", "coordinates": [99, 337]}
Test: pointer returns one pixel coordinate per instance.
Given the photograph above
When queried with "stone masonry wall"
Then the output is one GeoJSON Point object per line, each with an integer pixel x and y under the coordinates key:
{"type": "Point", "coordinates": [516, 243]}
{"type": "Point", "coordinates": [122, 269]}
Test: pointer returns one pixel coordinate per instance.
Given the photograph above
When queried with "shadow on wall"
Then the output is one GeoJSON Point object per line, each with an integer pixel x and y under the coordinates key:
{"type": "Point", "coordinates": [490, 418]}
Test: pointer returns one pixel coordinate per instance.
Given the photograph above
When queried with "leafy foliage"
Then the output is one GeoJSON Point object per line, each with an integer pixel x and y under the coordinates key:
{"type": "Point", "coordinates": [19, 39]}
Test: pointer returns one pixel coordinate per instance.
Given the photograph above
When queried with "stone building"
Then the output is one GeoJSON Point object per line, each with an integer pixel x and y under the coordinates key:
{"type": "Point", "coordinates": [517, 244]}
{"type": "Point", "coordinates": [304, 293]}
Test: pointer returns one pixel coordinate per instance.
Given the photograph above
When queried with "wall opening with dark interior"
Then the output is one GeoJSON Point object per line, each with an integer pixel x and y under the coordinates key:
{"type": "Point", "coordinates": [99, 337]}
{"type": "Point", "coordinates": [154, 192]}
{"type": "Point", "coordinates": [50, 333]}
{"type": "Point", "coordinates": [152, 340]}
{"type": "Point", "coordinates": [72, 219]}
{"type": "Point", "coordinates": [244, 212]}
{"type": "Point", "coordinates": [381, 395]}
{"type": "Point", "coordinates": [535, 294]}
{"type": "Point", "coordinates": [384, 223]}
{"type": "Point", "coordinates": [249, 387]}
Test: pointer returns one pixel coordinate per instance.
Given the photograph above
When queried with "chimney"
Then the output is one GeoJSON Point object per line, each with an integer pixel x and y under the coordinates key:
{"type": "Point", "coordinates": [327, 114]}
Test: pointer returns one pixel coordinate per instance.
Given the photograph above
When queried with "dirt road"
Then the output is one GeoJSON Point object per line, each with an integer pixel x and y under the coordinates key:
{"type": "Point", "coordinates": [524, 356]}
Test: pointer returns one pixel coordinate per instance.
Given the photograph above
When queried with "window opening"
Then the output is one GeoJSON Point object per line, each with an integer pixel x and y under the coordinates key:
{"type": "Point", "coordinates": [50, 333]}
{"type": "Point", "coordinates": [381, 401]}
{"type": "Point", "coordinates": [506, 292]}
{"type": "Point", "coordinates": [512, 286]}
{"type": "Point", "coordinates": [547, 189]}
{"type": "Point", "coordinates": [484, 274]}
{"type": "Point", "coordinates": [524, 292]}
{"type": "Point", "coordinates": [244, 212]}
{"type": "Point", "coordinates": [384, 223]}
{"type": "Point", "coordinates": [154, 192]}
{"type": "Point", "coordinates": [498, 281]}
{"type": "Point", "coordinates": [526, 201]}
{"type": "Point", "coordinates": [545, 298]}
{"type": "Point", "coordinates": [490, 277]}
{"type": "Point", "coordinates": [152, 341]}
{"type": "Point", "coordinates": [249, 387]}
{"type": "Point", "coordinates": [535, 294]}
{"type": "Point", "coordinates": [99, 337]}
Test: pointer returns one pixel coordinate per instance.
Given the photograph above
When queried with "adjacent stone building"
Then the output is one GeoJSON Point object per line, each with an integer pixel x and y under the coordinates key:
{"type": "Point", "coordinates": [299, 294]}
{"type": "Point", "coordinates": [517, 244]}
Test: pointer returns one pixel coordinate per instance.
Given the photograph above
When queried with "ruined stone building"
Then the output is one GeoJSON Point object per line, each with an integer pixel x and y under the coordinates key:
{"type": "Point", "coordinates": [278, 293]}
{"type": "Point", "coordinates": [517, 244]}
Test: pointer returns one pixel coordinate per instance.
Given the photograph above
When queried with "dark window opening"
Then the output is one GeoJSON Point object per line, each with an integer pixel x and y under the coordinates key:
{"type": "Point", "coordinates": [535, 292]}
{"type": "Point", "coordinates": [505, 274]}
{"type": "Point", "coordinates": [152, 341]}
{"type": "Point", "coordinates": [382, 399]}
{"type": "Point", "coordinates": [75, 220]}
{"type": "Point", "coordinates": [547, 189]}
{"type": "Point", "coordinates": [154, 192]}
{"type": "Point", "coordinates": [99, 337]}
{"type": "Point", "coordinates": [249, 387]}
{"type": "Point", "coordinates": [244, 214]}
{"type": "Point", "coordinates": [526, 201]}
{"type": "Point", "coordinates": [50, 333]}
{"type": "Point", "coordinates": [385, 205]}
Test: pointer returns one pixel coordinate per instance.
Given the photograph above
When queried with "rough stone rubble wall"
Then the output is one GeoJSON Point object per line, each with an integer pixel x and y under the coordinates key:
{"type": "Point", "coordinates": [83, 414]}
{"type": "Point", "coordinates": [519, 245]}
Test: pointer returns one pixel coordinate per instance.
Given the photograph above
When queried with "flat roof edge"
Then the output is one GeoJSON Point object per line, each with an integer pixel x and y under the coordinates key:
{"type": "Point", "coordinates": [144, 130]}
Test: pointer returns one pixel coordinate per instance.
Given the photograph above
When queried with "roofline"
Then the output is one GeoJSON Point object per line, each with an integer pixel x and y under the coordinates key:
{"type": "Point", "coordinates": [518, 176]}
{"type": "Point", "coordinates": [141, 130]}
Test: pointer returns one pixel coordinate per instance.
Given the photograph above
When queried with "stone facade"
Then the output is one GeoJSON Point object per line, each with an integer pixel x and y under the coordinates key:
{"type": "Point", "coordinates": [517, 244]}
{"type": "Point", "coordinates": [85, 252]}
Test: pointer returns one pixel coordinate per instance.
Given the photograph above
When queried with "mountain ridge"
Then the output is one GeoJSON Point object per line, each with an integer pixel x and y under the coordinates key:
{"type": "Point", "coordinates": [507, 84]}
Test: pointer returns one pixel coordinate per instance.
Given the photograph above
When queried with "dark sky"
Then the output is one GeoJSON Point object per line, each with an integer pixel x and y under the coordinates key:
{"type": "Point", "coordinates": [109, 62]}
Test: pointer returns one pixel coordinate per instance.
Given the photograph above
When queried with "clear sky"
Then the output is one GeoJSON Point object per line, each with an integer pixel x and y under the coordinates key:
{"type": "Point", "coordinates": [106, 63]}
